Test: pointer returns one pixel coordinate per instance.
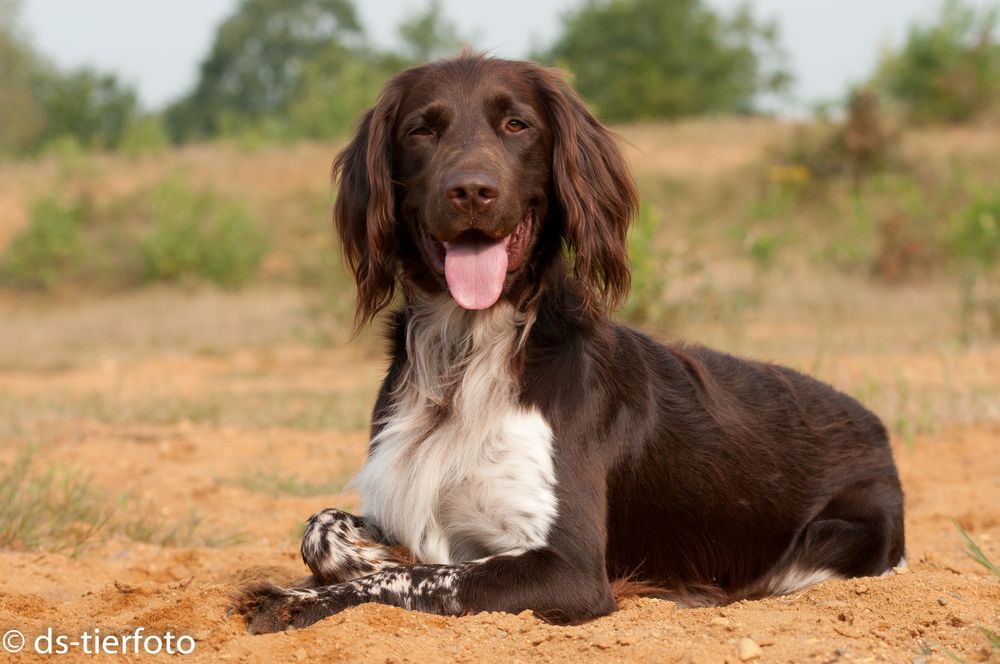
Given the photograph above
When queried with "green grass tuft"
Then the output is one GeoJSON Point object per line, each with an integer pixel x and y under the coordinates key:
{"type": "Point", "coordinates": [54, 510]}
{"type": "Point", "coordinates": [992, 637]}
{"type": "Point", "coordinates": [973, 551]}
{"type": "Point", "coordinates": [190, 531]}
{"type": "Point", "coordinates": [61, 510]}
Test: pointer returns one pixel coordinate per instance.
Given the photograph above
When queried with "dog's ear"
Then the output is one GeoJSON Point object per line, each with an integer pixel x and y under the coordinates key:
{"type": "Point", "coordinates": [594, 191]}
{"type": "Point", "coordinates": [365, 210]}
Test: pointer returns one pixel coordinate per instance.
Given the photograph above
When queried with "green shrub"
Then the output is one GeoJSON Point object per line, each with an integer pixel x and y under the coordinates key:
{"type": "Point", "coordinates": [147, 136]}
{"type": "Point", "coordinates": [47, 249]}
{"type": "Point", "coordinates": [859, 147]}
{"type": "Point", "coordinates": [763, 249]}
{"type": "Point", "coordinates": [200, 235]}
{"type": "Point", "coordinates": [907, 226]}
{"type": "Point", "coordinates": [648, 282]}
{"type": "Point", "coordinates": [976, 232]}
{"type": "Point", "coordinates": [975, 243]}
{"type": "Point", "coordinates": [948, 71]}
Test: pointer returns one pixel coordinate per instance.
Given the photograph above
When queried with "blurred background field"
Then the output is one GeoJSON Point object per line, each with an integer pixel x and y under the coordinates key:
{"type": "Point", "coordinates": [178, 384]}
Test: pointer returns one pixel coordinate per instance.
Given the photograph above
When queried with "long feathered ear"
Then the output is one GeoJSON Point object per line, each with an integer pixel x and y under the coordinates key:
{"type": "Point", "coordinates": [365, 210]}
{"type": "Point", "coordinates": [595, 193]}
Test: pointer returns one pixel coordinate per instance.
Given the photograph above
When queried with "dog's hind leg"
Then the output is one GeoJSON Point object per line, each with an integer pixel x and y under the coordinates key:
{"type": "Point", "coordinates": [858, 533]}
{"type": "Point", "coordinates": [339, 546]}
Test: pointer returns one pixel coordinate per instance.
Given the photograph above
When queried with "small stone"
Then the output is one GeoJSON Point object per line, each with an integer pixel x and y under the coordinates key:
{"type": "Point", "coordinates": [901, 570]}
{"type": "Point", "coordinates": [942, 601]}
{"type": "Point", "coordinates": [748, 649]}
{"type": "Point", "coordinates": [603, 641]}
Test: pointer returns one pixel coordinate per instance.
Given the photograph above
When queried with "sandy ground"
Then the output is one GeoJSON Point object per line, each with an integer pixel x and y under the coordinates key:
{"type": "Point", "coordinates": [215, 424]}
{"type": "Point", "coordinates": [192, 429]}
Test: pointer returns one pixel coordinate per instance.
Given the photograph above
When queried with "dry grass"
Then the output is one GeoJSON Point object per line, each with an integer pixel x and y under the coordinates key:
{"type": "Point", "coordinates": [61, 509]}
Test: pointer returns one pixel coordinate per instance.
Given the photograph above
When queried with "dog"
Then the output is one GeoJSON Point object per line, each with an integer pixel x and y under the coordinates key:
{"type": "Point", "coordinates": [527, 452]}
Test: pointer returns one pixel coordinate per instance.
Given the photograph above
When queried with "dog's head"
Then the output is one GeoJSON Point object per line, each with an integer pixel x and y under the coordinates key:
{"type": "Point", "coordinates": [476, 176]}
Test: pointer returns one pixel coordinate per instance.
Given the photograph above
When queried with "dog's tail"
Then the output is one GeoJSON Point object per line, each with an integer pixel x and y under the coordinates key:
{"type": "Point", "coordinates": [686, 596]}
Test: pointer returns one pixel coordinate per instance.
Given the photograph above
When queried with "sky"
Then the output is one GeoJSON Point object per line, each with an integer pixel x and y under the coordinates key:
{"type": "Point", "coordinates": [157, 44]}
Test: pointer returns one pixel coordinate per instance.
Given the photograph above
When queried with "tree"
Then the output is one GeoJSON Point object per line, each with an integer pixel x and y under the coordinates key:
{"type": "Point", "coordinates": [337, 86]}
{"type": "Point", "coordinates": [948, 71]}
{"type": "Point", "coordinates": [93, 107]}
{"type": "Point", "coordinates": [39, 103]}
{"type": "Point", "coordinates": [429, 35]}
{"type": "Point", "coordinates": [256, 63]}
{"type": "Point", "coordinates": [21, 71]}
{"type": "Point", "coordinates": [300, 81]}
{"type": "Point", "coordinates": [340, 82]}
{"type": "Point", "coordinates": [638, 59]}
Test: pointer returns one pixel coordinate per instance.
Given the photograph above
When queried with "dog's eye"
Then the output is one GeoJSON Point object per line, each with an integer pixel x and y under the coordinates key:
{"type": "Point", "coordinates": [422, 130]}
{"type": "Point", "coordinates": [514, 125]}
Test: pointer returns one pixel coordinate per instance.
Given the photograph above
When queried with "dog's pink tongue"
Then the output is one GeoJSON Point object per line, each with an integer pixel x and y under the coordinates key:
{"type": "Point", "coordinates": [475, 270]}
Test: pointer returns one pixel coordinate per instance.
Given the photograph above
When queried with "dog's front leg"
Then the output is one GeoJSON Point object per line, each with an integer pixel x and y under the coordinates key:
{"type": "Point", "coordinates": [338, 546]}
{"type": "Point", "coordinates": [542, 581]}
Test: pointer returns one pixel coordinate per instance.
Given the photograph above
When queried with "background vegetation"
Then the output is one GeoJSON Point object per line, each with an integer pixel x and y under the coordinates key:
{"type": "Point", "coordinates": [286, 70]}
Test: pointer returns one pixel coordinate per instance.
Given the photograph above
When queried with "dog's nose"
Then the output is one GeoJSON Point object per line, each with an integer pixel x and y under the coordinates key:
{"type": "Point", "coordinates": [471, 192]}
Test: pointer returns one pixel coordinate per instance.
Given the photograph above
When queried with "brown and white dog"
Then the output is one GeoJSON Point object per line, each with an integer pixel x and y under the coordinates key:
{"type": "Point", "coordinates": [527, 450]}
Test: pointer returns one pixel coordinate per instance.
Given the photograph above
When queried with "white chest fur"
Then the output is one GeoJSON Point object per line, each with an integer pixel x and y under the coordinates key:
{"type": "Point", "coordinates": [460, 470]}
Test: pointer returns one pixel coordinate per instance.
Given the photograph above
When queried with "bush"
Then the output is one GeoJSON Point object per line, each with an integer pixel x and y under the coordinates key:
{"type": "Point", "coordinates": [976, 232]}
{"type": "Point", "coordinates": [200, 235]}
{"type": "Point", "coordinates": [948, 71]}
{"type": "Point", "coordinates": [648, 282]}
{"type": "Point", "coordinates": [975, 242]}
{"type": "Point", "coordinates": [43, 252]}
{"type": "Point", "coordinates": [904, 215]}
{"type": "Point", "coordinates": [860, 146]}
{"type": "Point", "coordinates": [147, 136]}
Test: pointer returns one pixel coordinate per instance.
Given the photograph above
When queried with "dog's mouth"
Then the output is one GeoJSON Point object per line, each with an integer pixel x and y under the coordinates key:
{"type": "Point", "coordinates": [475, 265]}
